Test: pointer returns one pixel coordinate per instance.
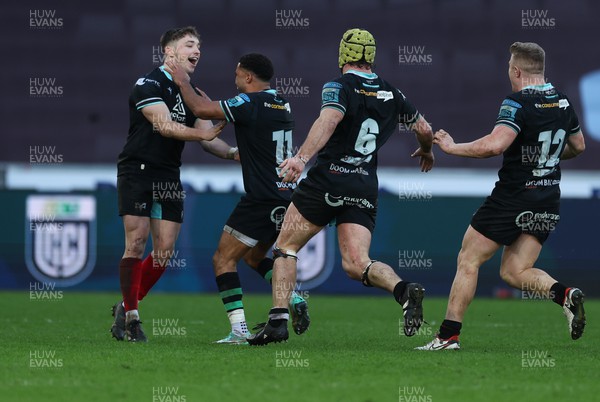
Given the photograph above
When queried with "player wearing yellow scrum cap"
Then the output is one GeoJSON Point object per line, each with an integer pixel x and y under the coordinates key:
{"type": "Point", "coordinates": [357, 45]}
{"type": "Point", "coordinates": [359, 112]}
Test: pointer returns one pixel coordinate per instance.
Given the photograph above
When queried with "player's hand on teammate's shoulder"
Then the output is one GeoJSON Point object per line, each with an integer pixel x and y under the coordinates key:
{"type": "Point", "coordinates": [426, 159]}
{"type": "Point", "coordinates": [179, 75]}
{"type": "Point", "coordinates": [443, 140]}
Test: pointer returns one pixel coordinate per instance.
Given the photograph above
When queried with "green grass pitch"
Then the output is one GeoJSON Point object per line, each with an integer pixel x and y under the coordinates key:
{"type": "Point", "coordinates": [513, 350]}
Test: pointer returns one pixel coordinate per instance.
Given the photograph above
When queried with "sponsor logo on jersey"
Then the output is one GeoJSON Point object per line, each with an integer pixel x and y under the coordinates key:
{"type": "Point", "coordinates": [366, 93]}
{"type": "Point", "coordinates": [546, 105]}
{"type": "Point", "coordinates": [60, 238]}
{"type": "Point", "coordinates": [385, 95]}
{"type": "Point", "coordinates": [178, 111]}
{"type": "Point", "coordinates": [507, 112]}
{"type": "Point", "coordinates": [338, 201]}
{"type": "Point", "coordinates": [143, 81]}
{"type": "Point", "coordinates": [541, 183]}
{"type": "Point", "coordinates": [563, 103]}
{"type": "Point", "coordinates": [337, 169]}
{"type": "Point", "coordinates": [330, 94]}
{"type": "Point", "coordinates": [278, 107]}
{"type": "Point", "coordinates": [334, 200]}
{"type": "Point", "coordinates": [238, 100]}
{"type": "Point", "coordinates": [282, 186]}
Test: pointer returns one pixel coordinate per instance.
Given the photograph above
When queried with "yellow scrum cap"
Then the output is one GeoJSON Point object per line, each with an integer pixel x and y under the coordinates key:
{"type": "Point", "coordinates": [355, 44]}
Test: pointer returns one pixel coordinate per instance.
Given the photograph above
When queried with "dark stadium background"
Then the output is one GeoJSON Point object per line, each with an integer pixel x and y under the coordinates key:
{"type": "Point", "coordinates": [105, 46]}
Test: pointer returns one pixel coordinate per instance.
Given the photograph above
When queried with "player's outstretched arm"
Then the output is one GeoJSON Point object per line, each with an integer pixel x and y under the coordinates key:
{"type": "Point", "coordinates": [158, 114]}
{"type": "Point", "coordinates": [201, 105]}
{"type": "Point", "coordinates": [492, 144]}
{"type": "Point", "coordinates": [424, 136]}
{"type": "Point", "coordinates": [319, 134]}
{"type": "Point", "coordinates": [217, 146]}
{"type": "Point", "coordinates": [575, 145]}
{"type": "Point", "coordinates": [221, 149]}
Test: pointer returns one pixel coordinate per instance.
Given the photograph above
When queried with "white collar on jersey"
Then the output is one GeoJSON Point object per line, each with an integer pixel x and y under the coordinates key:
{"type": "Point", "coordinates": [362, 74]}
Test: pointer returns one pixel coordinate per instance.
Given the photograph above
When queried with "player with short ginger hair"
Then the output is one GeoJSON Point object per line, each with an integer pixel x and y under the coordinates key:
{"type": "Point", "coordinates": [535, 129]}
{"type": "Point", "coordinates": [148, 184]}
{"type": "Point", "coordinates": [359, 112]}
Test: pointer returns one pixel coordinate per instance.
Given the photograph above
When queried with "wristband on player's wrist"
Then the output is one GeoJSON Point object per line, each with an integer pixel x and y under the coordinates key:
{"type": "Point", "coordinates": [231, 152]}
{"type": "Point", "coordinates": [302, 159]}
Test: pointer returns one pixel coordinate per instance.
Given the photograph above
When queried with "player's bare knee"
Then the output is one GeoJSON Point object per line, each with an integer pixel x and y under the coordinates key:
{"type": "Point", "coordinates": [164, 244]}
{"type": "Point", "coordinates": [509, 276]}
{"type": "Point", "coordinates": [510, 279]}
{"type": "Point", "coordinates": [353, 269]}
{"type": "Point", "coordinates": [462, 257]}
{"type": "Point", "coordinates": [136, 246]}
{"type": "Point", "coordinates": [217, 259]}
{"type": "Point", "coordinates": [468, 268]}
{"type": "Point", "coordinates": [468, 264]}
{"type": "Point", "coordinates": [350, 270]}
{"type": "Point", "coordinates": [221, 264]}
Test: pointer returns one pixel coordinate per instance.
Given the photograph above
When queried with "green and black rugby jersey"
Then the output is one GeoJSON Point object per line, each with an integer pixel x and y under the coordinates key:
{"type": "Point", "coordinates": [542, 118]}
{"type": "Point", "coordinates": [263, 132]}
{"type": "Point", "coordinates": [146, 150]}
{"type": "Point", "coordinates": [372, 109]}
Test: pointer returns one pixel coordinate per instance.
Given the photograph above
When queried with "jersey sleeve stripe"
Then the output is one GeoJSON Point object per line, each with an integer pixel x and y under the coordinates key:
{"type": "Point", "coordinates": [575, 130]}
{"type": "Point", "coordinates": [510, 124]}
{"type": "Point", "coordinates": [148, 104]}
{"type": "Point", "coordinates": [148, 101]}
{"type": "Point", "coordinates": [227, 111]}
{"type": "Point", "coordinates": [336, 106]}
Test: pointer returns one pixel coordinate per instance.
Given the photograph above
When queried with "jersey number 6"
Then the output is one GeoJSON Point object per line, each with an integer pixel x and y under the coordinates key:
{"type": "Point", "coordinates": [366, 142]}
